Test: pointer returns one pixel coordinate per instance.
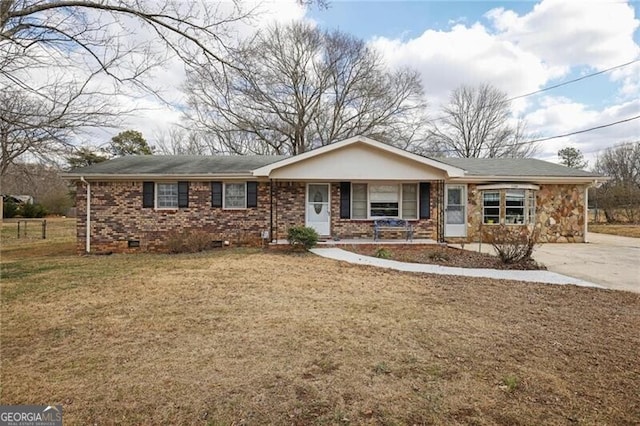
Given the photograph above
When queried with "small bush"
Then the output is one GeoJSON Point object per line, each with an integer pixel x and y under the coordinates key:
{"type": "Point", "coordinates": [514, 244]}
{"type": "Point", "coordinates": [188, 241]}
{"type": "Point", "coordinates": [439, 256]}
{"type": "Point", "coordinates": [510, 383]}
{"type": "Point", "coordinates": [383, 253]}
{"type": "Point", "coordinates": [302, 236]}
{"type": "Point", "coordinates": [196, 241]}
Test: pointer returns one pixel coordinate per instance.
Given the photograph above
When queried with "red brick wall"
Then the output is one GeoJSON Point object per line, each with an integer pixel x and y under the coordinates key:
{"type": "Point", "coordinates": [291, 212]}
{"type": "Point", "coordinates": [117, 216]}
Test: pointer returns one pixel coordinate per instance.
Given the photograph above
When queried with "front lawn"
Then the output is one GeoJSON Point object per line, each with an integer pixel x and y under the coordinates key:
{"type": "Point", "coordinates": [252, 337]}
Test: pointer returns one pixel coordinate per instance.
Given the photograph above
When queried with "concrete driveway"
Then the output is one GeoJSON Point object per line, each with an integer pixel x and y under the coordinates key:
{"type": "Point", "coordinates": [608, 260]}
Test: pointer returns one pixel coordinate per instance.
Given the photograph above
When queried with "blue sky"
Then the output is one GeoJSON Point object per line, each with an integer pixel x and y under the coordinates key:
{"type": "Point", "coordinates": [531, 45]}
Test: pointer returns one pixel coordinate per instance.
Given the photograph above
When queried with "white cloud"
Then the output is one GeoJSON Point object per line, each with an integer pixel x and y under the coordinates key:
{"type": "Point", "coordinates": [558, 115]}
{"type": "Point", "coordinates": [568, 33]}
{"type": "Point", "coordinates": [466, 55]}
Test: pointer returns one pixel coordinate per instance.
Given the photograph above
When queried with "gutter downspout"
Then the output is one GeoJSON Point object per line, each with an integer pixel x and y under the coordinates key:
{"type": "Point", "coordinates": [88, 231]}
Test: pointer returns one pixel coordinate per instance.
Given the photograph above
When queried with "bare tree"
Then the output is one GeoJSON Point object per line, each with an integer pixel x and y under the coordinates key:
{"type": "Point", "coordinates": [181, 141]}
{"type": "Point", "coordinates": [622, 193]}
{"type": "Point", "coordinates": [477, 123]}
{"type": "Point", "coordinates": [63, 61]}
{"type": "Point", "coordinates": [297, 87]}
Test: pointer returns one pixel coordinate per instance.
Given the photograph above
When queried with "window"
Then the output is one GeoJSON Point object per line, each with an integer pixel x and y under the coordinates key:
{"type": "Point", "coordinates": [359, 201]}
{"type": "Point", "coordinates": [491, 207]}
{"type": "Point", "coordinates": [384, 200]}
{"type": "Point", "coordinates": [235, 195]}
{"type": "Point", "coordinates": [514, 202]}
{"type": "Point", "coordinates": [531, 205]}
{"type": "Point", "coordinates": [409, 201]}
{"type": "Point", "coordinates": [509, 206]}
{"type": "Point", "coordinates": [167, 195]}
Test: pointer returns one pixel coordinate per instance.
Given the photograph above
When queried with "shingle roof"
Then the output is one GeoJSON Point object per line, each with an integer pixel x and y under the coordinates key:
{"type": "Point", "coordinates": [513, 167]}
{"type": "Point", "coordinates": [178, 165]}
{"type": "Point", "coordinates": [245, 164]}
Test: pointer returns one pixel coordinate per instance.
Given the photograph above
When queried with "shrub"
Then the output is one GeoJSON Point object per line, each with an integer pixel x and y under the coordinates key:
{"type": "Point", "coordinates": [32, 210]}
{"type": "Point", "coordinates": [302, 236]}
{"type": "Point", "coordinates": [439, 256]}
{"type": "Point", "coordinates": [9, 209]}
{"type": "Point", "coordinates": [188, 241]}
{"type": "Point", "coordinates": [514, 244]}
{"type": "Point", "coordinates": [196, 241]}
{"type": "Point", "coordinates": [383, 253]}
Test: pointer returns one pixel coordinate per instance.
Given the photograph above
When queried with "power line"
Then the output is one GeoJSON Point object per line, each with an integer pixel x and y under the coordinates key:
{"type": "Point", "coordinates": [577, 132]}
{"type": "Point", "coordinates": [555, 86]}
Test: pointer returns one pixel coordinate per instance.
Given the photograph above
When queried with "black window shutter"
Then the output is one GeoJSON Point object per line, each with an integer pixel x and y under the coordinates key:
{"type": "Point", "coordinates": [345, 200]}
{"type": "Point", "coordinates": [425, 198]}
{"type": "Point", "coordinates": [216, 194]}
{"type": "Point", "coordinates": [183, 194]}
{"type": "Point", "coordinates": [147, 194]}
{"type": "Point", "coordinates": [252, 194]}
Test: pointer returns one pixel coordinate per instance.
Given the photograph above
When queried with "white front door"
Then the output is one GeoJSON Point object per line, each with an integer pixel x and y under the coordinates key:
{"type": "Point", "coordinates": [455, 211]}
{"type": "Point", "coordinates": [317, 211]}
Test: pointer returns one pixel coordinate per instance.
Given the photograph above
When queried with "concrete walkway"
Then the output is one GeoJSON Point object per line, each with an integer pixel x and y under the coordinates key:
{"type": "Point", "coordinates": [545, 277]}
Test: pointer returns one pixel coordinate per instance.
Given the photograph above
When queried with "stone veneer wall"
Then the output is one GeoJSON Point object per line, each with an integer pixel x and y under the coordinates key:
{"type": "Point", "coordinates": [291, 212]}
{"type": "Point", "coordinates": [117, 216]}
{"type": "Point", "coordinates": [559, 214]}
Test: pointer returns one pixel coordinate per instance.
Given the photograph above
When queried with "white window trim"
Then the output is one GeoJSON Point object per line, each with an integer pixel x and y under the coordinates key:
{"type": "Point", "coordinates": [224, 196]}
{"type": "Point", "coordinates": [400, 199]}
{"type": "Point", "coordinates": [492, 207]}
{"type": "Point", "coordinates": [503, 205]}
{"type": "Point", "coordinates": [155, 196]}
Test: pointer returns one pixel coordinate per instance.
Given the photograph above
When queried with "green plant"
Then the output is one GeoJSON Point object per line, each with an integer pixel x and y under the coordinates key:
{"type": "Point", "coordinates": [32, 210]}
{"type": "Point", "coordinates": [514, 244]}
{"type": "Point", "coordinates": [302, 236]}
{"type": "Point", "coordinates": [9, 209]}
{"type": "Point", "coordinates": [510, 382]}
{"type": "Point", "coordinates": [383, 253]}
{"type": "Point", "coordinates": [381, 368]}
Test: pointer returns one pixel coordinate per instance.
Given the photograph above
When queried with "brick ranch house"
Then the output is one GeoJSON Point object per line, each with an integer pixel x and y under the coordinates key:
{"type": "Point", "coordinates": [134, 203]}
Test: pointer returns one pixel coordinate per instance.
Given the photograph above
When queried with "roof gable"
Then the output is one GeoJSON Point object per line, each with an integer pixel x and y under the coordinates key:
{"type": "Point", "coordinates": [358, 158]}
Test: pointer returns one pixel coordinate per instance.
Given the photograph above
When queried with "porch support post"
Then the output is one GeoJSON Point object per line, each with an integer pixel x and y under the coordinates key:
{"type": "Point", "coordinates": [586, 212]}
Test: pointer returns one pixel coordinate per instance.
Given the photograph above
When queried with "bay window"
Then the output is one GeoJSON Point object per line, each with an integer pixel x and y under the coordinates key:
{"type": "Point", "coordinates": [491, 207]}
{"type": "Point", "coordinates": [511, 206]}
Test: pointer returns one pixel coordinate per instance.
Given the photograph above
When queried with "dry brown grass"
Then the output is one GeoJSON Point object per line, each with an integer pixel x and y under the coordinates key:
{"type": "Point", "coordinates": [235, 337]}
{"type": "Point", "coordinates": [623, 230]}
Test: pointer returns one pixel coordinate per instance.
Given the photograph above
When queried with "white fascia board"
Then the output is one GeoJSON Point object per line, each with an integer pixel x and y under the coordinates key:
{"type": "Point", "coordinates": [451, 170]}
{"type": "Point", "coordinates": [535, 179]}
{"type": "Point", "coordinates": [159, 176]}
{"type": "Point", "coordinates": [509, 185]}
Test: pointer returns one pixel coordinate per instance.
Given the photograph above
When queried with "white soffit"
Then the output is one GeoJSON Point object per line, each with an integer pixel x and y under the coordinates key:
{"type": "Point", "coordinates": [358, 158]}
{"type": "Point", "coordinates": [508, 185]}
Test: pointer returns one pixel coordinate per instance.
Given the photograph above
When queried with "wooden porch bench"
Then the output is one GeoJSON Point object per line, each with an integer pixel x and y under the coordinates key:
{"type": "Point", "coordinates": [392, 224]}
